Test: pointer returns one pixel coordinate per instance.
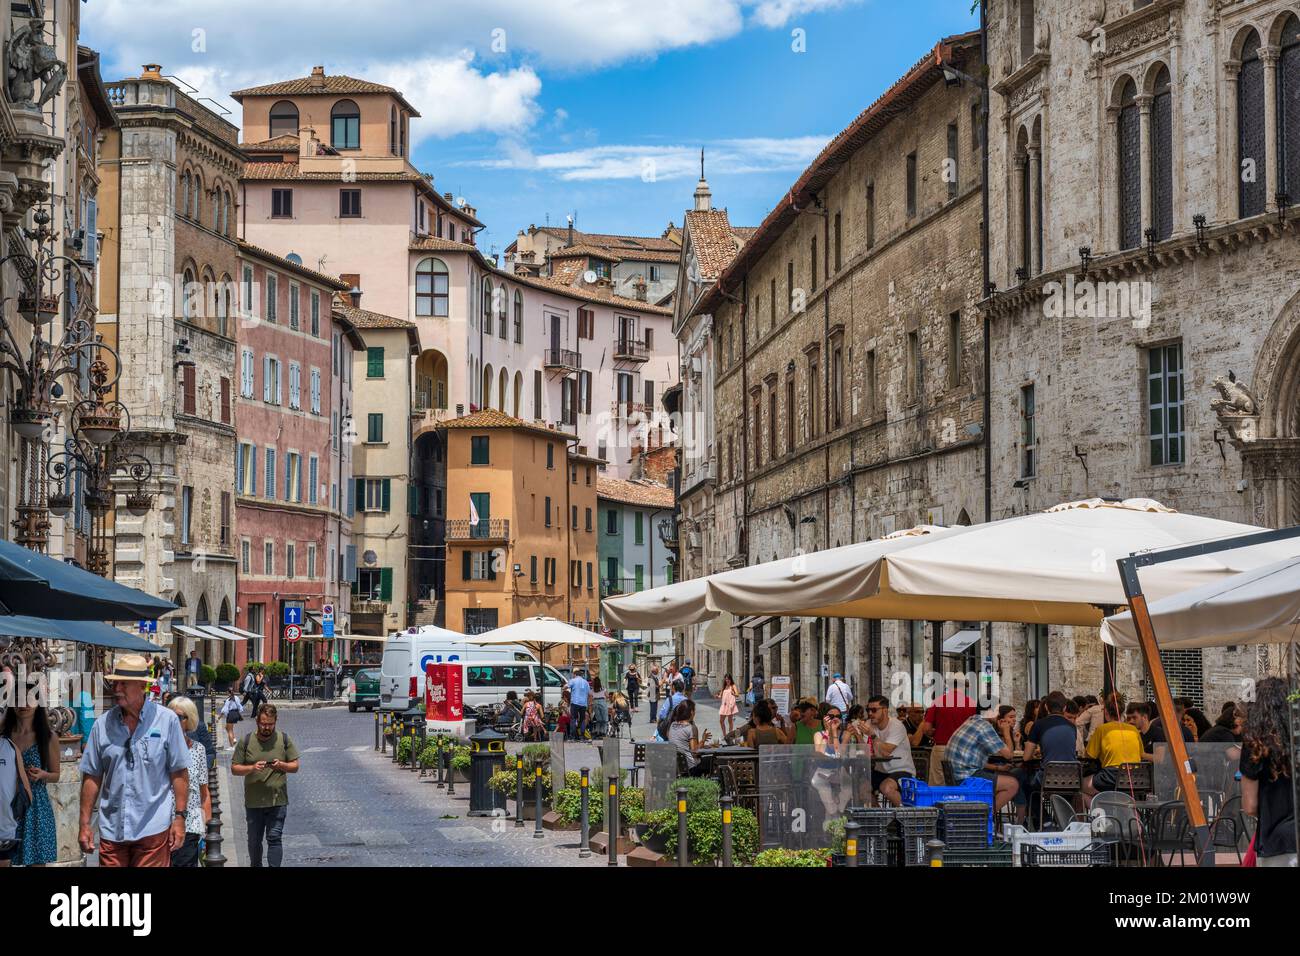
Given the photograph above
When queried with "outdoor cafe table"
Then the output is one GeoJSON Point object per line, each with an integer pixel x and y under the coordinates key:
{"type": "Point", "coordinates": [710, 757]}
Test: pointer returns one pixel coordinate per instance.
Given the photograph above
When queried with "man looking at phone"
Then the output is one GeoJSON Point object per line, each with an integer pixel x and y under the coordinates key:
{"type": "Point", "coordinates": [263, 759]}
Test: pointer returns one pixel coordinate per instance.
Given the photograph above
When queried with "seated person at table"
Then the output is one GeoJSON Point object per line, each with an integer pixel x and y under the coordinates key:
{"type": "Point", "coordinates": [1113, 744]}
{"type": "Point", "coordinates": [1155, 732]}
{"type": "Point", "coordinates": [889, 737]}
{"type": "Point", "coordinates": [970, 747]}
{"type": "Point", "coordinates": [1138, 715]}
{"type": "Point", "coordinates": [828, 779]}
{"type": "Point", "coordinates": [763, 732]}
{"type": "Point", "coordinates": [1053, 737]}
{"type": "Point", "coordinates": [686, 737]}
{"type": "Point", "coordinates": [806, 723]}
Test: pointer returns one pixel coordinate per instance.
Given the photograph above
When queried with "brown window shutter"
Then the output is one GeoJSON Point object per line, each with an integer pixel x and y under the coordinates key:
{"type": "Point", "coordinates": [189, 390]}
{"type": "Point", "coordinates": [225, 400]}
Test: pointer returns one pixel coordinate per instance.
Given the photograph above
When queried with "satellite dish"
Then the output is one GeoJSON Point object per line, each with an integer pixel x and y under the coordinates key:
{"type": "Point", "coordinates": [589, 277]}
{"type": "Point", "coordinates": [294, 258]}
{"type": "Point", "coordinates": [370, 558]}
{"type": "Point", "coordinates": [460, 201]}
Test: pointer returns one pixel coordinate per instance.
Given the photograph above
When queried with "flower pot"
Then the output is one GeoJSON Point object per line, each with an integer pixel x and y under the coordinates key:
{"type": "Point", "coordinates": [653, 842]}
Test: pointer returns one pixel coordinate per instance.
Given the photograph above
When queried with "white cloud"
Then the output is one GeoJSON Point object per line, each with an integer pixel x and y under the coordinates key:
{"type": "Point", "coordinates": [455, 98]}
{"type": "Point", "coordinates": [620, 162]}
{"type": "Point", "coordinates": [777, 13]}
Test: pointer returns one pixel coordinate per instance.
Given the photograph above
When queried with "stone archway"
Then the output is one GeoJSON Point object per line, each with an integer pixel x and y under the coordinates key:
{"type": "Point", "coordinates": [1271, 455]}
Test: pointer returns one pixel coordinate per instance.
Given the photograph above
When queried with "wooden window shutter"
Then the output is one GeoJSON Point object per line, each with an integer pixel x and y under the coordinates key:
{"type": "Point", "coordinates": [189, 390]}
{"type": "Point", "coordinates": [361, 493]}
{"type": "Point", "coordinates": [385, 584]}
{"type": "Point", "coordinates": [388, 494]}
{"type": "Point", "coordinates": [225, 400]}
{"type": "Point", "coordinates": [464, 566]}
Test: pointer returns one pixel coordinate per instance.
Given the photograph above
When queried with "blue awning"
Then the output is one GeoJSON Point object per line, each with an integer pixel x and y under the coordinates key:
{"type": "Point", "coordinates": [36, 584]}
{"type": "Point", "coordinates": [96, 633]}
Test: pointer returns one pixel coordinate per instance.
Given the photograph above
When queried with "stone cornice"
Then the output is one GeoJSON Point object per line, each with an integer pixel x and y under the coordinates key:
{"type": "Point", "coordinates": [1134, 31]}
{"type": "Point", "coordinates": [1013, 87]}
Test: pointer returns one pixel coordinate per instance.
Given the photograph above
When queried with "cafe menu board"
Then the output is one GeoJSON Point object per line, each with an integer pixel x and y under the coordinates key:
{"type": "Point", "coordinates": [780, 691]}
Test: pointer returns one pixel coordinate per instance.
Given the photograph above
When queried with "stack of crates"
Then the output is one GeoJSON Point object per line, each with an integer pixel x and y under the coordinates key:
{"type": "Point", "coordinates": [999, 854]}
{"type": "Point", "coordinates": [965, 824]}
{"type": "Point", "coordinates": [917, 826]}
{"type": "Point", "coordinates": [1076, 836]}
{"type": "Point", "coordinates": [873, 834]}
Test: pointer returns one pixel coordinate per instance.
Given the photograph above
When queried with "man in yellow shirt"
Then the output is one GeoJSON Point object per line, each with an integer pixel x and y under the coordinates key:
{"type": "Point", "coordinates": [1115, 743]}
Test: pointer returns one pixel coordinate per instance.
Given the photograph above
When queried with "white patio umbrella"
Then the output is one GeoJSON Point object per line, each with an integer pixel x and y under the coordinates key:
{"type": "Point", "coordinates": [669, 605]}
{"type": "Point", "coordinates": [1050, 567]}
{"type": "Point", "coordinates": [1255, 607]}
{"type": "Point", "coordinates": [539, 635]}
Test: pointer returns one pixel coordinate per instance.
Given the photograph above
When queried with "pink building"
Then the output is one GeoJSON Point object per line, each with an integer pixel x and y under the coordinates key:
{"type": "Point", "coordinates": [293, 461]}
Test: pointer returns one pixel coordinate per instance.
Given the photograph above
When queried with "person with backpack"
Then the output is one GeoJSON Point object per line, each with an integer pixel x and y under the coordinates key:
{"type": "Point", "coordinates": [264, 759]}
{"type": "Point", "coordinates": [688, 677]}
{"type": "Point", "coordinates": [669, 705]}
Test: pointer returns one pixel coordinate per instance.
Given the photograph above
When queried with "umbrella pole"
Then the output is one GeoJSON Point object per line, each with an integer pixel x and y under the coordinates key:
{"type": "Point", "coordinates": [1293, 710]}
{"type": "Point", "coordinates": [1137, 603]}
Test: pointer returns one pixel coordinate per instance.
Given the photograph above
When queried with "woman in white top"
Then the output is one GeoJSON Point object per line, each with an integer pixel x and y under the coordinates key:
{"type": "Point", "coordinates": [198, 806]}
{"type": "Point", "coordinates": [686, 737]}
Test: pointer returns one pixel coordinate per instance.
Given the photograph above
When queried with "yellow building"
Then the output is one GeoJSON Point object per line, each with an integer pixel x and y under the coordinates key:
{"type": "Point", "coordinates": [520, 528]}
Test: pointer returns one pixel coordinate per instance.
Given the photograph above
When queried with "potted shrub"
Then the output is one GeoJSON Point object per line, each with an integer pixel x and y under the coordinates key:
{"type": "Point", "coordinates": [226, 674]}
{"type": "Point", "coordinates": [783, 857]}
{"type": "Point", "coordinates": [460, 763]}
{"type": "Point", "coordinates": [207, 675]}
{"type": "Point", "coordinates": [277, 671]}
{"type": "Point", "coordinates": [704, 833]}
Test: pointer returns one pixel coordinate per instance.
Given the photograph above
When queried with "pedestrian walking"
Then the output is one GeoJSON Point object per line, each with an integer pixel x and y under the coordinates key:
{"type": "Point", "coordinates": [579, 694]}
{"type": "Point", "coordinates": [728, 709]}
{"type": "Point", "coordinates": [198, 804]}
{"type": "Point", "coordinates": [232, 710]}
{"type": "Point", "coordinates": [135, 771]}
{"type": "Point", "coordinates": [756, 684]}
{"type": "Point", "coordinates": [193, 669]}
{"type": "Point", "coordinates": [264, 759]}
{"type": "Point", "coordinates": [28, 730]}
{"type": "Point", "coordinates": [838, 694]}
{"type": "Point", "coordinates": [534, 726]}
{"type": "Point", "coordinates": [599, 708]}
{"type": "Point", "coordinates": [1267, 791]}
{"type": "Point", "coordinates": [688, 678]}
{"type": "Point", "coordinates": [632, 680]}
{"type": "Point", "coordinates": [652, 688]}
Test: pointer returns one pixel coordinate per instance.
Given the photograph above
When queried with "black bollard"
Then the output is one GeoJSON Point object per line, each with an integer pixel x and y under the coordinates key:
{"type": "Point", "coordinates": [537, 801]}
{"type": "Point", "coordinates": [584, 788]}
{"type": "Point", "coordinates": [442, 764]}
{"type": "Point", "coordinates": [214, 857]}
{"type": "Point", "coordinates": [683, 851]}
{"type": "Point", "coordinates": [851, 843]}
{"type": "Point", "coordinates": [934, 852]}
{"type": "Point", "coordinates": [519, 791]}
{"type": "Point", "coordinates": [451, 776]}
{"type": "Point", "coordinates": [726, 831]}
{"type": "Point", "coordinates": [383, 735]}
{"type": "Point", "coordinates": [611, 808]}
{"type": "Point", "coordinates": [377, 730]}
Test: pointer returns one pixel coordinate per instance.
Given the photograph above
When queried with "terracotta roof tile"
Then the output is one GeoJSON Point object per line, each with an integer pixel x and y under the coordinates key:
{"type": "Point", "coordinates": [635, 492]}
{"type": "Point", "coordinates": [492, 418]}
{"type": "Point", "coordinates": [583, 249]}
{"type": "Point", "coordinates": [438, 244]}
{"type": "Point", "coordinates": [336, 85]}
{"type": "Point", "coordinates": [713, 240]}
{"type": "Point", "coordinates": [365, 319]}
{"type": "Point", "coordinates": [279, 144]}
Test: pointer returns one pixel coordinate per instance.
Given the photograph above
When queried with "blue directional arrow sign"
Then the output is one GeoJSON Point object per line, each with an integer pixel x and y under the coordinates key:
{"type": "Point", "coordinates": [292, 615]}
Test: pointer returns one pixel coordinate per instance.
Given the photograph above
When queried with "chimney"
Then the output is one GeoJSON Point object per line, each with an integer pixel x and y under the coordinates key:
{"type": "Point", "coordinates": [570, 230]}
{"type": "Point", "coordinates": [307, 142]}
{"type": "Point", "coordinates": [703, 196]}
{"type": "Point", "coordinates": [152, 71]}
{"type": "Point", "coordinates": [640, 286]}
{"type": "Point", "coordinates": [355, 295]}
{"type": "Point", "coordinates": [448, 197]}
{"type": "Point", "coordinates": [317, 79]}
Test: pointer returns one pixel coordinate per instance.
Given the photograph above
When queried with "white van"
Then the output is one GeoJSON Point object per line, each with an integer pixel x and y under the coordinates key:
{"type": "Point", "coordinates": [401, 682]}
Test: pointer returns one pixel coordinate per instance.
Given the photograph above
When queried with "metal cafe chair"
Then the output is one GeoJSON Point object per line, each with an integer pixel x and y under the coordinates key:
{"type": "Point", "coordinates": [1063, 777]}
{"type": "Point", "coordinates": [1063, 812]}
{"type": "Point", "coordinates": [1115, 822]}
{"type": "Point", "coordinates": [1228, 830]}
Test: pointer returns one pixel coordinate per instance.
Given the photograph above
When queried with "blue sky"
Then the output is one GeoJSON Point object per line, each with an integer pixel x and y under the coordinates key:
{"type": "Point", "coordinates": [597, 107]}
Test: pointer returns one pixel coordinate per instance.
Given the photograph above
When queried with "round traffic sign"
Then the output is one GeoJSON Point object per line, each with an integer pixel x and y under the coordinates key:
{"type": "Point", "coordinates": [292, 632]}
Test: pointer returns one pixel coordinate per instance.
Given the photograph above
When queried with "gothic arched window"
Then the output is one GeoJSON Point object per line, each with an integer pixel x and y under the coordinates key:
{"type": "Point", "coordinates": [1130, 168]}
{"type": "Point", "coordinates": [487, 306]}
{"type": "Point", "coordinates": [1288, 110]}
{"type": "Point", "coordinates": [1251, 185]}
{"type": "Point", "coordinates": [1162, 157]}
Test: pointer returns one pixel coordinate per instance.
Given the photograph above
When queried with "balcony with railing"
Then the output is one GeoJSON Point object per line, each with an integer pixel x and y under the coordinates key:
{"type": "Point", "coordinates": [485, 529]}
{"type": "Point", "coordinates": [631, 350]}
{"type": "Point", "coordinates": [611, 587]}
{"type": "Point", "coordinates": [565, 360]}
{"type": "Point", "coordinates": [365, 605]}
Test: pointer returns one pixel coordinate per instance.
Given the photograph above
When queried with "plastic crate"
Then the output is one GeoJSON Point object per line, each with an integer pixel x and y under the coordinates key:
{"type": "Point", "coordinates": [917, 826]}
{"type": "Point", "coordinates": [965, 824]}
{"type": "Point", "coordinates": [871, 821]}
{"type": "Point", "coordinates": [1095, 854]}
{"type": "Point", "coordinates": [1076, 836]}
{"type": "Point", "coordinates": [999, 854]}
{"type": "Point", "coordinates": [917, 793]}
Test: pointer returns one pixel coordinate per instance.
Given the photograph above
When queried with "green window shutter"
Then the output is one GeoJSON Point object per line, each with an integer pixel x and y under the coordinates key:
{"type": "Point", "coordinates": [385, 584]}
{"type": "Point", "coordinates": [464, 566]}
{"type": "Point", "coordinates": [374, 362]}
{"type": "Point", "coordinates": [412, 500]}
{"type": "Point", "coordinates": [639, 528]}
{"type": "Point", "coordinates": [361, 494]}
{"type": "Point", "coordinates": [388, 494]}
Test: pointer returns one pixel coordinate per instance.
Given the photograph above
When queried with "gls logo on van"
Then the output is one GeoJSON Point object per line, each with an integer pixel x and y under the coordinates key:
{"type": "Point", "coordinates": [428, 659]}
{"type": "Point", "coordinates": [79, 910]}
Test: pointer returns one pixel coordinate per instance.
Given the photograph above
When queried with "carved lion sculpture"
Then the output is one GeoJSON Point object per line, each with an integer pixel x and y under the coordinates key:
{"type": "Point", "coordinates": [1237, 398]}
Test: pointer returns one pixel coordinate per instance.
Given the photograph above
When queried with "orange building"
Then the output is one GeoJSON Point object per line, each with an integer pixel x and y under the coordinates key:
{"type": "Point", "coordinates": [520, 528]}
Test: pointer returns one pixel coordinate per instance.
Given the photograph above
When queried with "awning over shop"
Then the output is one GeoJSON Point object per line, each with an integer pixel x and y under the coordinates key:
{"type": "Point", "coordinates": [194, 632]}
{"type": "Point", "coordinates": [246, 635]}
{"type": "Point", "coordinates": [958, 642]}
{"type": "Point", "coordinates": [781, 636]}
{"type": "Point", "coordinates": [220, 632]}
{"type": "Point", "coordinates": [33, 583]}
{"type": "Point", "coordinates": [361, 637]}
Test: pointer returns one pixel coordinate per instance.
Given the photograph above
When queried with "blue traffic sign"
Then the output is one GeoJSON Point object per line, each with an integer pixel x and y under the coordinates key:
{"type": "Point", "coordinates": [148, 627]}
{"type": "Point", "coordinates": [292, 615]}
{"type": "Point", "coordinates": [327, 628]}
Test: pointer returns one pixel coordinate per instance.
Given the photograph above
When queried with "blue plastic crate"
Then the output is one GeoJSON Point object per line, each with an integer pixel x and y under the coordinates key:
{"type": "Point", "coordinates": [975, 790]}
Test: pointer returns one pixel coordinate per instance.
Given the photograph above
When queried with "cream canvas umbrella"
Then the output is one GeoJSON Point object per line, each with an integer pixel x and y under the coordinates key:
{"type": "Point", "coordinates": [669, 605]}
{"type": "Point", "coordinates": [539, 635]}
{"type": "Point", "coordinates": [1255, 607]}
{"type": "Point", "coordinates": [1050, 567]}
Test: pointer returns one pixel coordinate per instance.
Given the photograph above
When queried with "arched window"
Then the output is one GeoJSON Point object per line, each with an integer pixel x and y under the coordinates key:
{"type": "Point", "coordinates": [1130, 169]}
{"type": "Point", "coordinates": [198, 197]}
{"type": "Point", "coordinates": [187, 292]}
{"type": "Point", "coordinates": [284, 119]}
{"type": "Point", "coordinates": [519, 326]}
{"type": "Point", "coordinates": [1162, 157]}
{"type": "Point", "coordinates": [187, 186]}
{"type": "Point", "coordinates": [345, 125]}
{"type": "Point", "coordinates": [519, 395]}
{"type": "Point", "coordinates": [217, 196]}
{"type": "Point", "coordinates": [225, 214]}
{"type": "Point", "coordinates": [431, 288]}
{"type": "Point", "coordinates": [503, 390]}
{"type": "Point", "coordinates": [487, 306]}
{"type": "Point", "coordinates": [1288, 110]}
{"type": "Point", "coordinates": [1251, 177]}
{"type": "Point", "coordinates": [487, 386]}
{"type": "Point", "coordinates": [501, 313]}
{"type": "Point", "coordinates": [392, 130]}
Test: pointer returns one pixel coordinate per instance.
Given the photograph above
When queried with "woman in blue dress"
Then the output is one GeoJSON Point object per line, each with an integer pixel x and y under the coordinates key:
{"type": "Point", "coordinates": [28, 729]}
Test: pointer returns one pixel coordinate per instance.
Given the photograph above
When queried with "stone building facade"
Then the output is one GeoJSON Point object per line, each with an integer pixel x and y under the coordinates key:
{"type": "Point", "coordinates": [847, 364]}
{"type": "Point", "coordinates": [1145, 326]}
{"type": "Point", "coordinates": [167, 285]}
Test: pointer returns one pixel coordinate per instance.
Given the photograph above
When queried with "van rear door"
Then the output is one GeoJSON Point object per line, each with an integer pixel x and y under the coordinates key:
{"type": "Point", "coordinates": [395, 676]}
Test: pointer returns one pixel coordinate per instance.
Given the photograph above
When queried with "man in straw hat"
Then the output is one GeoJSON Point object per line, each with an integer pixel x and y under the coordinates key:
{"type": "Point", "coordinates": [136, 768]}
